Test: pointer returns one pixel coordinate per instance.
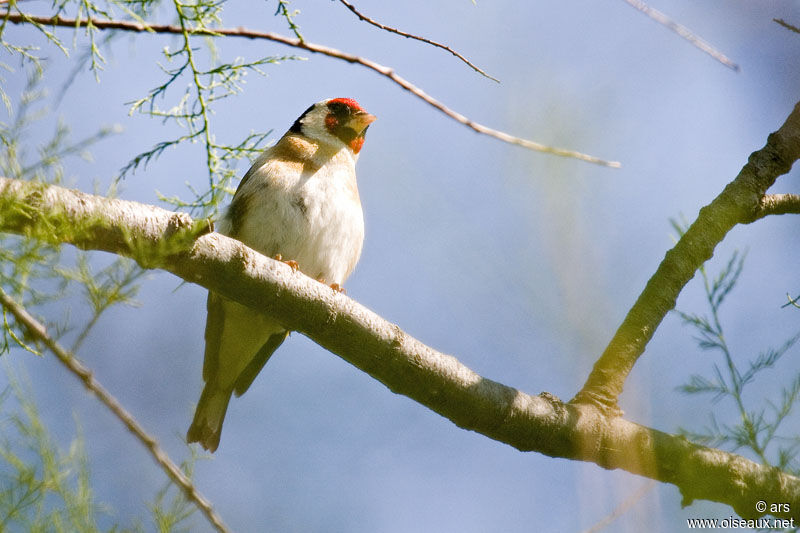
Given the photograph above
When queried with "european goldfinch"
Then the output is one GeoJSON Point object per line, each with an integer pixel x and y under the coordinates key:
{"type": "Point", "coordinates": [298, 201]}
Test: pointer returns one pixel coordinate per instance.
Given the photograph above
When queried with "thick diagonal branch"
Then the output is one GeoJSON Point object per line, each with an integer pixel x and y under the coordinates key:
{"type": "Point", "coordinates": [742, 201]}
{"type": "Point", "coordinates": [162, 239]}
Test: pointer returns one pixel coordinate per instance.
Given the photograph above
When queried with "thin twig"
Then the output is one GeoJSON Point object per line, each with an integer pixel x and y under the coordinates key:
{"type": "Point", "coordinates": [622, 508]}
{"type": "Point", "coordinates": [319, 49]}
{"type": "Point", "coordinates": [787, 25]}
{"type": "Point", "coordinates": [792, 301]}
{"type": "Point", "coordinates": [284, 11]}
{"type": "Point", "coordinates": [365, 18]}
{"type": "Point", "coordinates": [172, 470]}
{"type": "Point", "coordinates": [684, 32]}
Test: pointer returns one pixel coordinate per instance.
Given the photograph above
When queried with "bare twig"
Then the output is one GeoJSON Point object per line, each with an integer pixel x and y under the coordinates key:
{"type": "Point", "coordinates": [787, 25]}
{"type": "Point", "coordinates": [738, 203]}
{"type": "Point", "coordinates": [622, 508]}
{"type": "Point", "coordinates": [540, 423]}
{"type": "Point", "coordinates": [684, 32]}
{"type": "Point", "coordinates": [777, 204]}
{"type": "Point", "coordinates": [319, 49]}
{"type": "Point", "coordinates": [37, 329]}
{"type": "Point", "coordinates": [365, 18]}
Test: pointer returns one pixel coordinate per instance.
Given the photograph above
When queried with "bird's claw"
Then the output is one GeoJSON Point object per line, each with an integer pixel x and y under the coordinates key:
{"type": "Point", "coordinates": [338, 288]}
{"type": "Point", "coordinates": [292, 263]}
{"type": "Point", "coordinates": [335, 286]}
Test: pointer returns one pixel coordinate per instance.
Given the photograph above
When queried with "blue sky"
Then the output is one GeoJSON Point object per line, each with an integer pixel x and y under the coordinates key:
{"type": "Point", "coordinates": [520, 264]}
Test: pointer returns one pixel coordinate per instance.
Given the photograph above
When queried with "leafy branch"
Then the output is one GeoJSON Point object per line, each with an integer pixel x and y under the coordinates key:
{"type": "Point", "coordinates": [757, 429]}
{"type": "Point", "coordinates": [36, 330]}
{"type": "Point", "coordinates": [24, 260]}
{"type": "Point", "coordinates": [741, 202]}
{"type": "Point", "coordinates": [115, 284]}
{"type": "Point", "coordinates": [35, 273]}
{"type": "Point", "coordinates": [193, 110]}
{"type": "Point", "coordinates": [40, 485]}
{"type": "Point", "coordinates": [44, 488]}
{"type": "Point", "coordinates": [330, 52]}
{"type": "Point", "coordinates": [283, 10]}
{"type": "Point", "coordinates": [192, 113]}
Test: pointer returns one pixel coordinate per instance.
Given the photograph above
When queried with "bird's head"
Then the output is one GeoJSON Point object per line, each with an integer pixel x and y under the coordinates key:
{"type": "Point", "coordinates": [335, 120]}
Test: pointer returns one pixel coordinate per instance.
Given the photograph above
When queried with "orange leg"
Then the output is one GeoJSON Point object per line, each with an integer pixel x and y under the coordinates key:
{"type": "Point", "coordinates": [334, 286]}
{"type": "Point", "coordinates": [292, 264]}
{"type": "Point", "coordinates": [338, 288]}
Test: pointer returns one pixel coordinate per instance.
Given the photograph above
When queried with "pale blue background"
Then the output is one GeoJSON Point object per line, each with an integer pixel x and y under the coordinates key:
{"type": "Point", "coordinates": [520, 264]}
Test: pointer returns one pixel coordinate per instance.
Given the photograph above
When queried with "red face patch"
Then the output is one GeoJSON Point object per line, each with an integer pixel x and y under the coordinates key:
{"type": "Point", "coordinates": [349, 102]}
{"type": "Point", "coordinates": [356, 144]}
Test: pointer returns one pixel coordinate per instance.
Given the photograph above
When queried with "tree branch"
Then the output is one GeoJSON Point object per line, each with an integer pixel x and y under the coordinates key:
{"type": "Point", "coordinates": [623, 507]}
{"type": "Point", "coordinates": [377, 24]}
{"type": "Point", "coordinates": [740, 202]}
{"type": "Point", "coordinates": [381, 349]}
{"type": "Point", "coordinates": [39, 332]}
{"type": "Point", "coordinates": [776, 204]}
{"type": "Point", "coordinates": [787, 25]}
{"type": "Point", "coordinates": [315, 48]}
{"type": "Point", "coordinates": [684, 32]}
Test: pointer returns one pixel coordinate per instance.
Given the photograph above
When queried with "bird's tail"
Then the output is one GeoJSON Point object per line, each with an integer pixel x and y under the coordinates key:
{"type": "Point", "coordinates": [206, 427]}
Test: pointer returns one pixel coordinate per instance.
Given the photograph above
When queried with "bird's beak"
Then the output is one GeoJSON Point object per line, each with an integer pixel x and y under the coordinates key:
{"type": "Point", "coordinates": [361, 120]}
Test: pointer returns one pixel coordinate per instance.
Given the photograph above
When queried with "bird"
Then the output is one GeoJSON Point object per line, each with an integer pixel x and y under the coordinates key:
{"type": "Point", "coordinates": [298, 203]}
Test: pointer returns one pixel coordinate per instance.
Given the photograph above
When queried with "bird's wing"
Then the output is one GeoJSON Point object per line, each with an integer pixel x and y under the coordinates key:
{"type": "Point", "coordinates": [214, 326]}
{"type": "Point", "coordinates": [260, 160]}
{"type": "Point", "coordinates": [253, 368]}
{"type": "Point", "coordinates": [239, 341]}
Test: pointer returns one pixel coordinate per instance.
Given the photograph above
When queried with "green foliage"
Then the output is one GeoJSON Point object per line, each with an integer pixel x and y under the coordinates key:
{"type": "Point", "coordinates": [170, 509]}
{"type": "Point", "coordinates": [756, 428]}
{"type": "Point", "coordinates": [192, 112]}
{"type": "Point", "coordinates": [114, 284]}
{"type": "Point", "coordinates": [193, 106]}
{"type": "Point", "coordinates": [283, 10]}
{"type": "Point", "coordinates": [43, 488]}
{"type": "Point", "coordinates": [32, 269]}
{"type": "Point", "coordinates": [36, 271]}
{"type": "Point", "coordinates": [23, 259]}
{"type": "Point", "coordinates": [195, 78]}
{"type": "Point", "coordinates": [46, 488]}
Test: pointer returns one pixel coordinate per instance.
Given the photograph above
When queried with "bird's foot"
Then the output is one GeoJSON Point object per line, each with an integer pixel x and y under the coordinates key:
{"type": "Point", "coordinates": [292, 263]}
{"type": "Point", "coordinates": [338, 288]}
{"type": "Point", "coordinates": [335, 286]}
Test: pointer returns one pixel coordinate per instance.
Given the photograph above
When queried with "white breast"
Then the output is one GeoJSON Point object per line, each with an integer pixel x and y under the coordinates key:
{"type": "Point", "coordinates": [310, 213]}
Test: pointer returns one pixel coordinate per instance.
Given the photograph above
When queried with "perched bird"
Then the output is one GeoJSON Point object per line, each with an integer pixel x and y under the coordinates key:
{"type": "Point", "coordinates": [299, 201]}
